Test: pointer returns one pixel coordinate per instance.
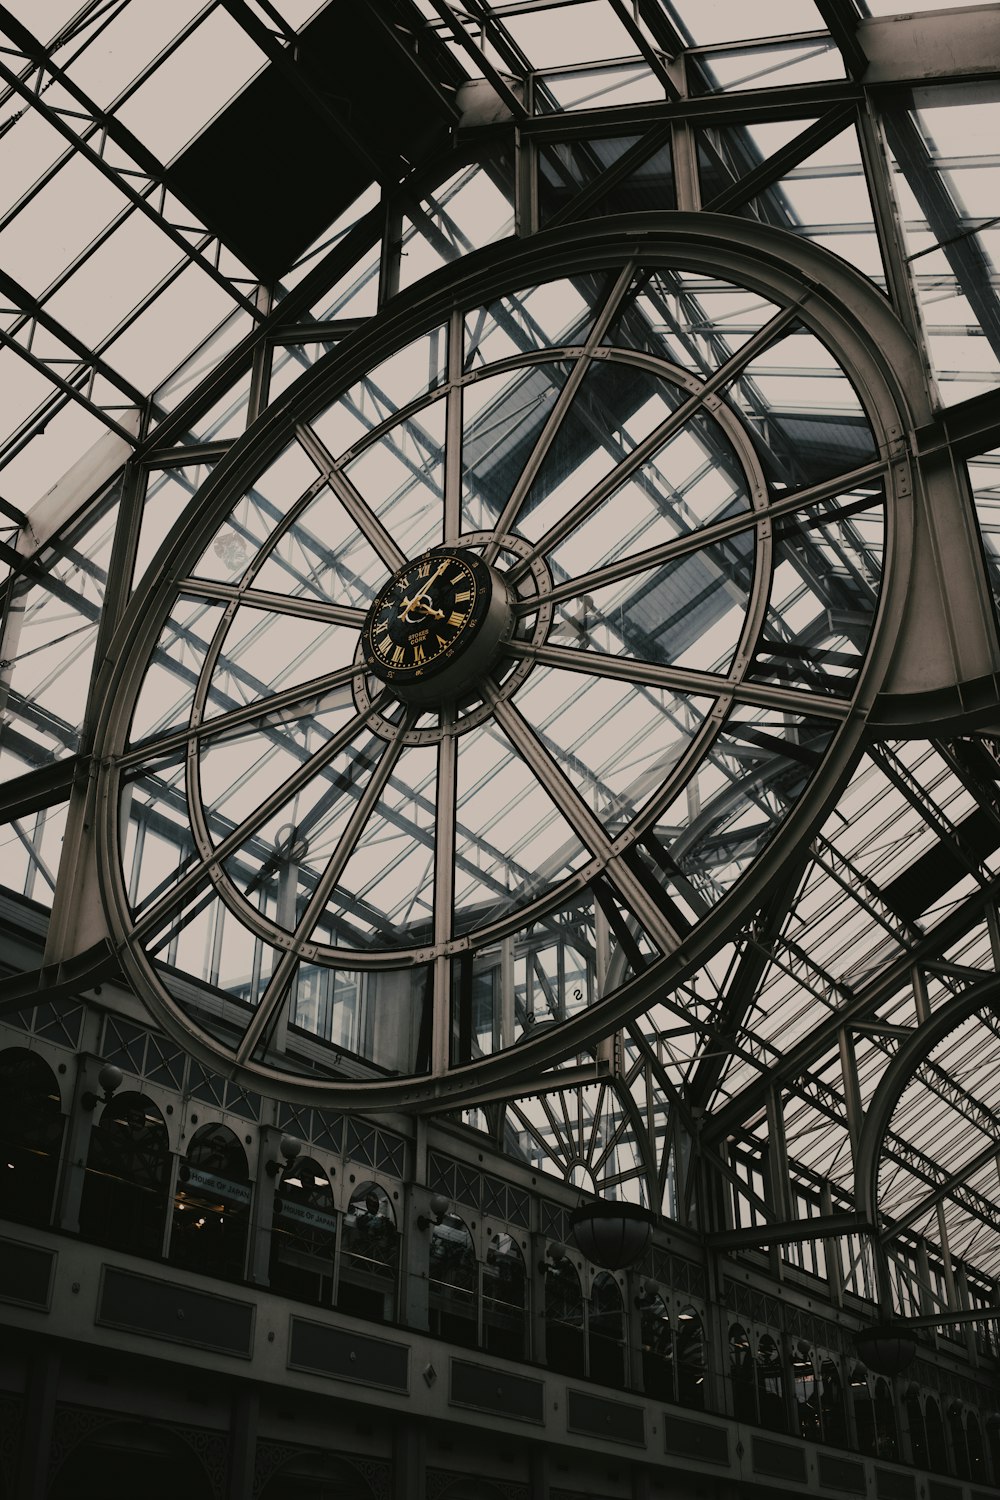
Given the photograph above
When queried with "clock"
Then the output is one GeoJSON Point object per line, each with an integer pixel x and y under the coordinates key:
{"type": "Point", "coordinates": [491, 674]}
{"type": "Point", "coordinates": [437, 626]}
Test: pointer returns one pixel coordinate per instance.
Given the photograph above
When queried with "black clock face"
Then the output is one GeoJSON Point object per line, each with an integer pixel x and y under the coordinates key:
{"type": "Point", "coordinates": [426, 616]}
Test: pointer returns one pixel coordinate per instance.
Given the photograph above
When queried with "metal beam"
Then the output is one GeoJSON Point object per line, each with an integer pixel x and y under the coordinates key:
{"type": "Point", "coordinates": [790, 1231]}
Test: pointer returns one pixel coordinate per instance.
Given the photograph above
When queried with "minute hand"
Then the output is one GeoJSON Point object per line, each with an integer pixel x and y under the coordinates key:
{"type": "Point", "coordinates": [409, 603]}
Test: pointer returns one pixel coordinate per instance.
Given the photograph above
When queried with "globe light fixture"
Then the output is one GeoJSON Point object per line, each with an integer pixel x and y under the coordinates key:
{"type": "Point", "coordinates": [611, 1235]}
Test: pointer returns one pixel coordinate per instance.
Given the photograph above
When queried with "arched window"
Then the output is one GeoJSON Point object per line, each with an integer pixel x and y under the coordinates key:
{"type": "Point", "coordinates": [369, 1256]}
{"type": "Point", "coordinates": [832, 1406]}
{"type": "Point", "coordinates": [690, 1359]}
{"type": "Point", "coordinates": [886, 1431]}
{"type": "Point", "coordinates": [124, 1201]}
{"type": "Point", "coordinates": [314, 1476]}
{"type": "Point", "coordinates": [304, 1233]}
{"type": "Point", "coordinates": [453, 1282]}
{"type": "Point", "coordinates": [132, 1458]}
{"type": "Point", "coordinates": [31, 1127]}
{"type": "Point", "coordinates": [505, 1298]}
{"type": "Point", "coordinates": [212, 1205]}
{"type": "Point", "coordinates": [657, 1350]}
{"type": "Point", "coordinates": [564, 1337]}
{"type": "Point", "coordinates": [770, 1385]}
{"type": "Point", "coordinates": [915, 1427]}
{"type": "Point", "coordinates": [864, 1412]}
{"type": "Point", "coordinates": [806, 1388]}
{"type": "Point", "coordinates": [741, 1375]}
{"type": "Point", "coordinates": [606, 1331]}
{"type": "Point", "coordinates": [956, 1429]}
{"type": "Point", "coordinates": [937, 1450]}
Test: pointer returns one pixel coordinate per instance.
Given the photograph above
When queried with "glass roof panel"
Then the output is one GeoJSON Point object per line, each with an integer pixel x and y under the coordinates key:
{"type": "Point", "coordinates": [710, 21]}
{"type": "Point", "coordinates": [190, 84]}
{"type": "Point", "coordinates": [550, 36]}
{"type": "Point", "coordinates": [112, 51]}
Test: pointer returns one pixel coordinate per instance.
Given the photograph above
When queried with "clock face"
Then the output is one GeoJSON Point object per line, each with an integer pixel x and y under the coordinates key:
{"type": "Point", "coordinates": [421, 632]}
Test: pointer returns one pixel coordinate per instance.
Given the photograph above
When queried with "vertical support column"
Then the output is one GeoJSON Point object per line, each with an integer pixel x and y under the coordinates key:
{"type": "Point", "coordinates": [392, 248]}
{"type": "Point", "coordinates": [39, 1423]}
{"type": "Point", "coordinates": [779, 1187]}
{"type": "Point", "coordinates": [539, 1472]}
{"type": "Point", "coordinates": [525, 185]}
{"type": "Point", "coordinates": [641, 1487]}
{"type": "Point", "coordinates": [79, 1124]}
{"type": "Point", "coordinates": [415, 1260]}
{"type": "Point", "coordinates": [831, 1249]}
{"type": "Point", "coordinates": [260, 369]}
{"type": "Point", "coordinates": [508, 1014]}
{"type": "Point", "coordinates": [949, 1269]}
{"type": "Point", "coordinates": [243, 1444]}
{"type": "Point", "coordinates": [875, 156]}
{"type": "Point", "coordinates": [408, 1462]}
{"type": "Point", "coordinates": [633, 1321]}
{"type": "Point", "coordinates": [536, 1278]}
{"type": "Point", "coordinates": [684, 147]}
{"type": "Point", "coordinates": [262, 1207]}
{"type": "Point", "coordinates": [965, 1302]}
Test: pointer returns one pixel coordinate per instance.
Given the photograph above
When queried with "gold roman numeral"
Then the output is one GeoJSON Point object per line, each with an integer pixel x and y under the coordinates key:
{"type": "Point", "coordinates": [424, 570]}
{"type": "Point", "coordinates": [461, 598]}
{"type": "Point", "coordinates": [455, 618]}
{"type": "Point", "coordinates": [397, 656]}
{"type": "Point", "coordinates": [418, 655]}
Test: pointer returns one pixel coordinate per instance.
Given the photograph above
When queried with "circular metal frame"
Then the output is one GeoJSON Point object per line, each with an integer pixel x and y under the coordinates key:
{"type": "Point", "coordinates": [831, 300]}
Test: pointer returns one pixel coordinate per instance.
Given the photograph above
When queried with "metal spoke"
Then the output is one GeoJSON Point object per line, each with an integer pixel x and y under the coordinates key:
{"type": "Point", "coordinates": [661, 434]}
{"type": "Point", "coordinates": [278, 604]}
{"type": "Point", "coordinates": [557, 416]}
{"type": "Point", "coordinates": [444, 889]}
{"type": "Point", "coordinates": [151, 920]}
{"type": "Point", "coordinates": [317, 688]}
{"type": "Point", "coordinates": [453, 432]}
{"type": "Point", "coordinates": [356, 506]}
{"type": "Point", "coordinates": [325, 886]}
{"type": "Point", "coordinates": [679, 679]}
{"type": "Point", "coordinates": [705, 536]}
{"type": "Point", "coordinates": [585, 824]}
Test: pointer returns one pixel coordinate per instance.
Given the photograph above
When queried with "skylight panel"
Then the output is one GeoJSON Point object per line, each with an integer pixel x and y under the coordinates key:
{"type": "Point", "coordinates": [810, 61]}
{"type": "Point", "coordinates": [709, 21]}
{"type": "Point", "coordinates": [112, 281]}
{"type": "Point", "coordinates": [191, 84]}
{"type": "Point", "coordinates": [58, 223]}
{"type": "Point", "coordinates": [107, 57]}
{"type": "Point", "coordinates": [161, 336]}
{"type": "Point", "coordinates": [48, 20]}
{"type": "Point", "coordinates": [560, 35]}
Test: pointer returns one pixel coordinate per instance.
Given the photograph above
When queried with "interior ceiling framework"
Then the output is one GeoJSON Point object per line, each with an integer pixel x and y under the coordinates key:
{"type": "Point", "coordinates": [168, 273]}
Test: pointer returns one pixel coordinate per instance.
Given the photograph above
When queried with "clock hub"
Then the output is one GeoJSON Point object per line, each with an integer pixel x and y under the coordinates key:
{"type": "Point", "coordinates": [438, 626]}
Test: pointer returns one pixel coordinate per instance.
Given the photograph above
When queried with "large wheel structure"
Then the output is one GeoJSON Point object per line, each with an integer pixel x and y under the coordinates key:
{"type": "Point", "coordinates": [586, 757]}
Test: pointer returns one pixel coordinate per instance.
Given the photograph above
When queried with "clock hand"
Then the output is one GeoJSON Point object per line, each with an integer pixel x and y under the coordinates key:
{"type": "Point", "coordinates": [409, 603]}
{"type": "Point", "coordinates": [428, 609]}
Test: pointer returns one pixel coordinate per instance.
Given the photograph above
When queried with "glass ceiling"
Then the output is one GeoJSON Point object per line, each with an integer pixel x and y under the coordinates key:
{"type": "Point", "coordinates": [136, 346]}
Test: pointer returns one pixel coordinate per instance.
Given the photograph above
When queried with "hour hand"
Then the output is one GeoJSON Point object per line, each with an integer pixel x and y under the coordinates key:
{"type": "Point", "coordinates": [428, 609]}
